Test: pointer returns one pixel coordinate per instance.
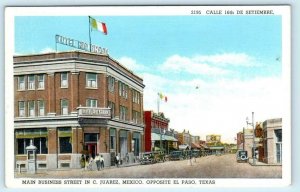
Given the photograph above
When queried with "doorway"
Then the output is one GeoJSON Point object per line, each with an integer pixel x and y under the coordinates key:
{"type": "Point", "coordinates": [90, 143]}
{"type": "Point", "coordinates": [92, 149]}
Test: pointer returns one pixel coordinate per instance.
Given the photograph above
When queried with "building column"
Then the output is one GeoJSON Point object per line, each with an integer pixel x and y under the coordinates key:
{"type": "Point", "coordinates": [74, 91]}
{"type": "Point", "coordinates": [103, 143]}
{"type": "Point", "coordinates": [117, 141]}
{"type": "Point", "coordinates": [143, 143]}
{"type": "Point", "coordinates": [117, 100]}
{"type": "Point", "coordinates": [77, 146]}
{"type": "Point", "coordinates": [107, 139]}
{"type": "Point", "coordinates": [129, 141]}
{"type": "Point", "coordinates": [51, 94]}
{"type": "Point", "coordinates": [52, 157]}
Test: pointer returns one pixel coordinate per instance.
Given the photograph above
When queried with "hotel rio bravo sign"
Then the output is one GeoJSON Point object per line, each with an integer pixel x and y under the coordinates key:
{"type": "Point", "coordinates": [79, 45]}
{"type": "Point", "coordinates": [91, 112]}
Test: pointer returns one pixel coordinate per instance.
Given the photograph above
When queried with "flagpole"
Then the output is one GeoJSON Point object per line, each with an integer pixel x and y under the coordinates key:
{"type": "Point", "coordinates": [158, 103]}
{"type": "Point", "coordinates": [90, 33]}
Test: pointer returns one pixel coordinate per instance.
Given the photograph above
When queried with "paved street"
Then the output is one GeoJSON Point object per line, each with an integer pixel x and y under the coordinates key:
{"type": "Point", "coordinates": [224, 166]}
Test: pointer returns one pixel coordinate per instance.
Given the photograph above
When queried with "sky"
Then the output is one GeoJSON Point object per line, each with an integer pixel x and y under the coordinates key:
{"type": "Point", "coordinates": [215, 70]}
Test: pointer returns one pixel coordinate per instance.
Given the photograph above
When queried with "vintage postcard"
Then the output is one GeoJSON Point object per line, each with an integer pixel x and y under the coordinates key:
{"type": "Point", "coordinates": [147, 96]}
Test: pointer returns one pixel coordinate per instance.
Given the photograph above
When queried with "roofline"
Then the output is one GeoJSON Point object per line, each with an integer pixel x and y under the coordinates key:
{"type": "Point", "coordinates": [15, 57]}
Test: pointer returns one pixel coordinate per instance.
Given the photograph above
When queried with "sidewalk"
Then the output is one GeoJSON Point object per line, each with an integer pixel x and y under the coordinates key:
{"type": "Point", "coordinates": [259, 163]}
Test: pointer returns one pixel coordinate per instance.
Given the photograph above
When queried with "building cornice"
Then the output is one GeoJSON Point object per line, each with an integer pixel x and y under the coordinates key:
{"type": "Point", "coordinates": [75, 58]}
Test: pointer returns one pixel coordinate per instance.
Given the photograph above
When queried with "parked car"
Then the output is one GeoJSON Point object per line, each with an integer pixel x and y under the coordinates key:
{"type": "Point", "coordinates": [196, 153]}
{"type": "Point", "coordinates": [242, 156]}
{"type": "Point", "coordinates": [159, 156]}
{"type": "Point", "coordinates": [176, 155]}
{"type": "Point", "coordinates": [147, 157]}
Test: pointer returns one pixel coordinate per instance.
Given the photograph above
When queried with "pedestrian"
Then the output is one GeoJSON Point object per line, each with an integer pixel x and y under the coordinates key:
{"type": "Point", "coordinates": [101, 162]}
{"type": "Point", "coordinates": [97, 159]}
{"type": "Point", "coordinates": [117, 159]}
{"type": "Point", "coordinates": [91, 161]}
{"type": "Point", "coordinates": [127, 158]}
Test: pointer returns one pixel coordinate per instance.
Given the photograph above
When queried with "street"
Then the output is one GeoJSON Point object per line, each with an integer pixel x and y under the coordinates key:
{"type": "Point", "coordinates": [224, 166]}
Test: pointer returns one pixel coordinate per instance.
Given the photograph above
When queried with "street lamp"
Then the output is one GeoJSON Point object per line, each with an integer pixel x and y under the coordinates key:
{"type": "Point", "coordinates": [247, 121]}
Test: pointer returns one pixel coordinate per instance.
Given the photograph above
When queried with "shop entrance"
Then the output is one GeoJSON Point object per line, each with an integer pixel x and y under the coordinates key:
{"type": "Point", "coordinates": [92, 149]}
{"type": "Point", "coordinates": [90, 143]}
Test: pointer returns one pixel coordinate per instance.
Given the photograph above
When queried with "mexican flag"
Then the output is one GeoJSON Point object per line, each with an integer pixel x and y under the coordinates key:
{"type": "Point", "coordinates": [99, 26]}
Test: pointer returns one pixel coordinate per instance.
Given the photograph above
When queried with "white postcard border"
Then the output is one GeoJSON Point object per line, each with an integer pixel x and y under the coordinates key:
{"type": "Point", "coordinates": [10, 13]}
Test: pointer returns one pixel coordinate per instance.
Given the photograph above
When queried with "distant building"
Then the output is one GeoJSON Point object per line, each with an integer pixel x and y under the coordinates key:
{"type": "Point", "coordinates": [195, 142]}
{"type": "Point", "coordinates": [184, 138]}
{"type": "Point", "coordinates": [259, 141]}
{"type": "Point", "coordinates": [248, 141]}
{"type": "Point", "coordinates": [157, 132]}
{"type": "Point", "coordinates": [272, 141]}
{"type": "Point", "coordinates": [214, 144]}
{"type": "Point", "coordinates": [240, 140]}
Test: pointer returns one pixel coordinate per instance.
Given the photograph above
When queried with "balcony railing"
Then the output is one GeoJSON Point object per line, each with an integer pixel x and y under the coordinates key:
{"type": "Point", "coordinates": [93, 112]}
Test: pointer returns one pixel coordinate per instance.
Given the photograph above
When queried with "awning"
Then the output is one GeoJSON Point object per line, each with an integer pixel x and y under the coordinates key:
{"type": "Point", "coordinates": [158, 137]}
{"type": "Point", "coordinates": [195, 145]}
{"type": "Point", "coordinates": [183, 147]}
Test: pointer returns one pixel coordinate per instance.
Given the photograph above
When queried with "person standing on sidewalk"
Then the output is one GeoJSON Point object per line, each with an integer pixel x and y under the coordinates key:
{"type": "Point", "coordinates": [117, 160]}
{"type": "Point", "coordinates": [101, 162]}
{"type": "Point", "coordinates": [97, 159]}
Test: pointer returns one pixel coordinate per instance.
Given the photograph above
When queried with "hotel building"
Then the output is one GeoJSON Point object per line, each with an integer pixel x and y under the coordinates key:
{"type": "Point", "coordinates": [75, 103]}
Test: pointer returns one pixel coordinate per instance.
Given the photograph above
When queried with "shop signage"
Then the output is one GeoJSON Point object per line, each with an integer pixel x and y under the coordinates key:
{"type": "Point", "coordinates": [94, 112]}
{"type": "Point", "coordinates": [80, 45]}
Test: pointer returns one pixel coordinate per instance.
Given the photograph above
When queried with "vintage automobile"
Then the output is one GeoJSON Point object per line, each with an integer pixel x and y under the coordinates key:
{"type": "Point", "coordinates": [159, 156]}
{"type": "Point", "coordinates": [176, 155]}
{"type": "Point", "coordinates": [241, 156]}
{"type": "Point", "coordinates": [147, 157]}
{"type": "Point", "coordinates": [196, 153]}
{"type": "Point", "coordinates": [191, 153]}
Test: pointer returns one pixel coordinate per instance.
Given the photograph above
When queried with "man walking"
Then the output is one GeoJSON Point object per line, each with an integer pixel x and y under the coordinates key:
{"type": "Point", "coordinates": [97, 159]}
{"type": "Point", "coordinates": [101, 162]}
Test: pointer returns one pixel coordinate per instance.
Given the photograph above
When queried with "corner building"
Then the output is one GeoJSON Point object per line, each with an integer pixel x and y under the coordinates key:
{"type": "Point", "coordinates": [75, 103]}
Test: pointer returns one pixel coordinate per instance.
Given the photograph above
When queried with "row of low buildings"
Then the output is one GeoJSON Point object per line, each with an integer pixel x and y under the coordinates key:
{"type": "Point", "coordinates": [72, 104]}
{"type": "Point", "coordinates": [265, 143]}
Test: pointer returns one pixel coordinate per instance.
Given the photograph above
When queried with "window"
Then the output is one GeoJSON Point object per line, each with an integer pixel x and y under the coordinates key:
{"type": "Point", "coordinates": [112, 138]}
{"type": "Point", "coordinates": [41, 81]}
{"type": "Point", "coordinates": [21, 108]}
{"type": "Point", "coordinates": [111, 105]}
{"type": "Point", "coordinates": [136, 143]}
{"type": "Point", "coordinates": [123, 90]}
{"type": "Point", "coordinates": [41, 108]}
{"type": "Point", "coordinates": [65, 145]}
{"type": "Point", "coordinates": [65, 140]}
{"type": "Point", "coordinates": [31, 109]}
{"type": "Point", "coordinates": [31, 82]}
{"type": "Point", "coordinates": [64, 106]}
{"type": "Point", "coordinates": [111, 84]}
{"type": "Point", "coordinates": [278, 133]}
{"type": "Point", "coordinates": [21, 82]}
{"type": "Point", "coordinates": [22, 144]}
{"type": "Point", "coordinates": [135, 96]}
{"type": "Point", "coordinates": [126, 91]}
{"type": "Point", "coordinates": [38, 136]}
{"type": "Point", "coordinates": [136, 116]}
{"type": "Point", "coordinates": [64, 80]}
{"type": "Point", "coordinates": [91, 137]}
{"type": "Point", "coordinates": [41, 144]}
{"type": "Point", "coordinates": [120, 88]}
{"type": "Point", "coordinates": [123, 113]}
{"type": "Point", "coordinates": [91, 80]}
{"type": "Point", "coordinates": [91, 103]}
